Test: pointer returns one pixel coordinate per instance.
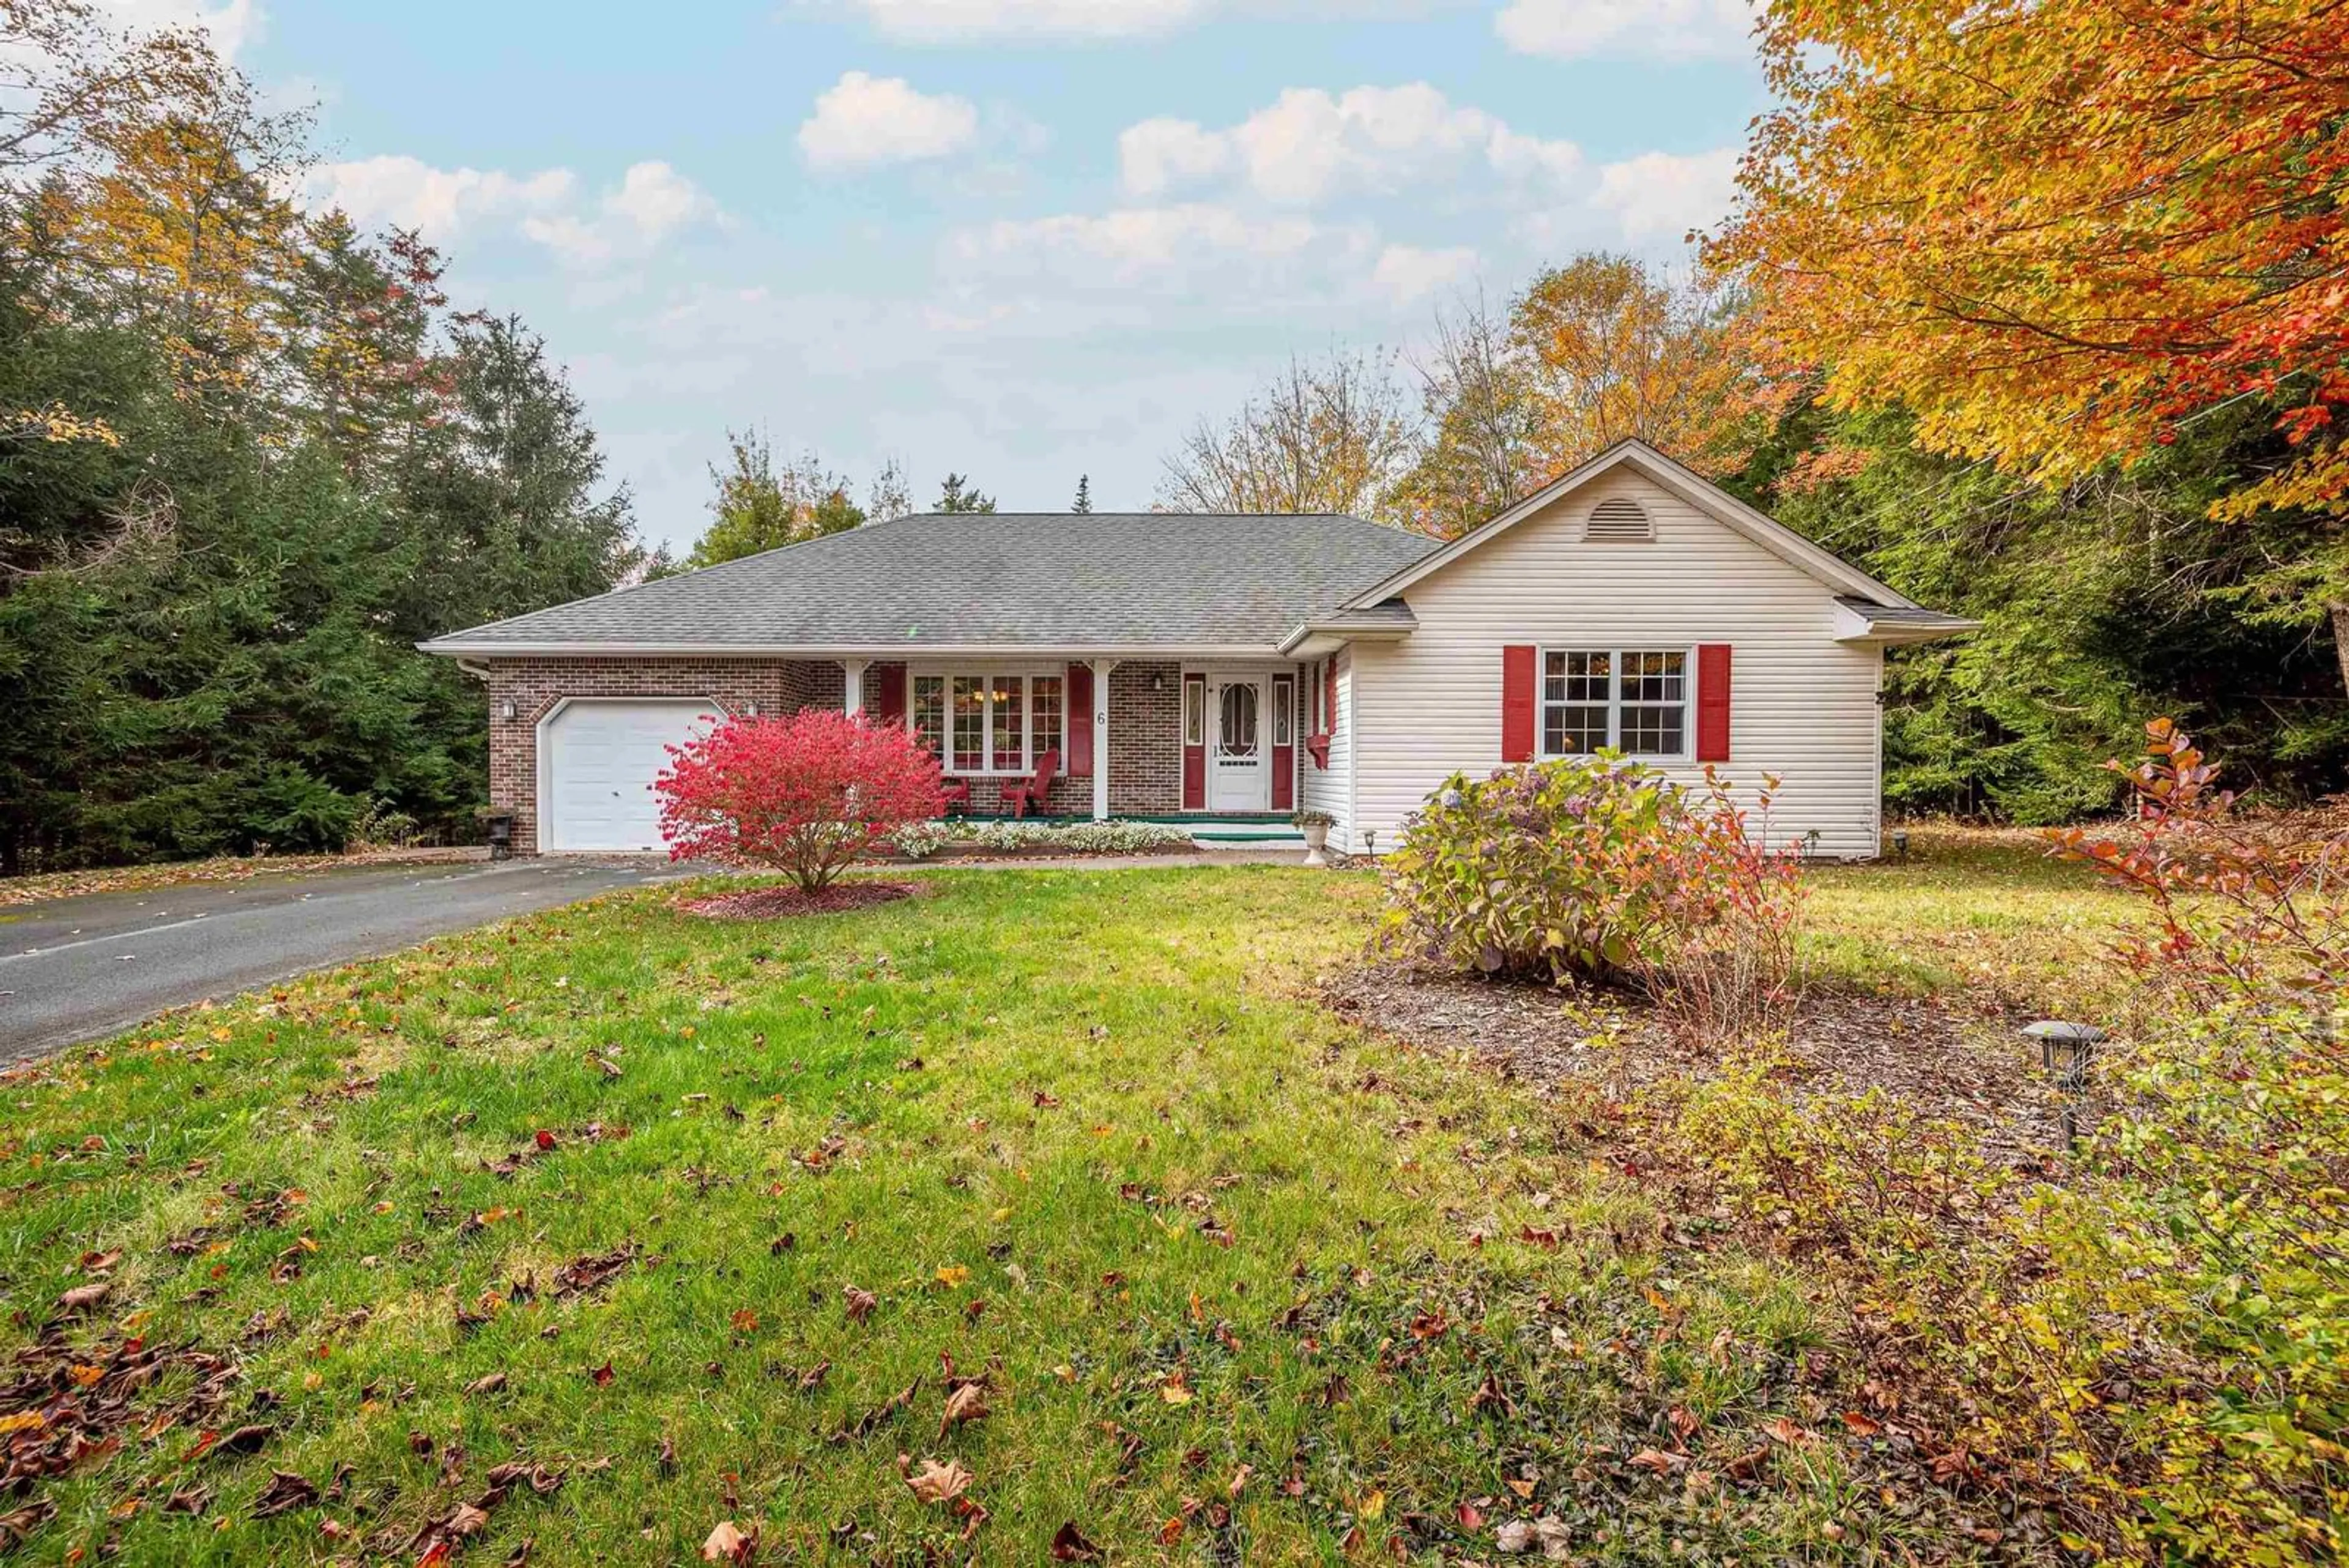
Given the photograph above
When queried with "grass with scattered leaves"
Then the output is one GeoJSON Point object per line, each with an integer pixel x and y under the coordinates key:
{"type": "Point", "coordinates": [1043, 1207]}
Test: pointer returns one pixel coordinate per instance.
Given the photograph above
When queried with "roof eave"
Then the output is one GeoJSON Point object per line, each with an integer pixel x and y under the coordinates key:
{"type": "Point", "coordinates": [452, 648]}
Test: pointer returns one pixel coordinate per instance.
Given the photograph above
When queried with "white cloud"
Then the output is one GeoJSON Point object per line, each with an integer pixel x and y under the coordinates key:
{"type": "Point", "coordinates": [1668, 29]}
{"type": "Point", "coordinates": [1309, 144]}
{"type": "Point", "coordinates": [413, 195]}
{"type": "Point", "coordinates": [935, 21]}
{"type": "Point", "coordinates": [230, 25]}
{"type": "Point", "coordinates": [1662, 194]}
{"type": "Point", "coordinates": [1198, 252]}
{"type": "Point", "coordinates": [862, 121]}
{"type": "Point", "coordinates": [1157, 155]}
{"type": "Point", "coordinates": [1405, 273]}
{"type": "Point", "coordinates": [656, 201]}
{"type": "Point", "coordinates": [651, 203]}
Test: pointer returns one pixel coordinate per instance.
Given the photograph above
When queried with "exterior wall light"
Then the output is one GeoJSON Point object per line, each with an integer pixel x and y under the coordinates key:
{"type": "Point", "coordinates": [506, 711]}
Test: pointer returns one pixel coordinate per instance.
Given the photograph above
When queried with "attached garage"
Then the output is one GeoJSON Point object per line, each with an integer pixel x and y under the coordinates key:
{"type": "Point", "coordinates": [597, 758]}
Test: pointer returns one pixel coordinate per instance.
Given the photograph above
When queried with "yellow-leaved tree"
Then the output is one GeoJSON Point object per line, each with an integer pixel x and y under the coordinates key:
{"type": "Point", "coordinates": [2054, 230]}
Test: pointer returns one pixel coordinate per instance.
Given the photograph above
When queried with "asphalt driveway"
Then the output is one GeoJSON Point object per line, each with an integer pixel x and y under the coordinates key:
{"type": "Point", "coordinates": [75, 969]}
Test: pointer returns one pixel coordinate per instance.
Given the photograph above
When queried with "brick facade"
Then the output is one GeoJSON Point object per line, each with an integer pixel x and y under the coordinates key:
{"type": "Point", "coordinates": [1145, 729]}
{"type": "Point", "coordinates": [533, 686]}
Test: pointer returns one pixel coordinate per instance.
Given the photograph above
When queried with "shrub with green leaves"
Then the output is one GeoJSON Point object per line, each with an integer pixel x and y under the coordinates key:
{"type": "Point", "coordinates": [1600, 870]}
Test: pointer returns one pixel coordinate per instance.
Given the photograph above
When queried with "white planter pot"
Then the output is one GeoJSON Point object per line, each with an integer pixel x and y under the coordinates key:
{"type": "Point", "coordinates": [1317, 839]}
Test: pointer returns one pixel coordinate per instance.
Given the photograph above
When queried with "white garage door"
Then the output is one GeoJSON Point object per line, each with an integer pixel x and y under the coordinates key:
{"type": "Point", "coordinates": [601, 758]}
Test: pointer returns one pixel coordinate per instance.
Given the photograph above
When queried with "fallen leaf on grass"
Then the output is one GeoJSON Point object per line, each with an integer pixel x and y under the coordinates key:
{"type": "Point", "coordinates": [1656, 1459]}
{"type": "Point", "coordinates": [1548, 1535]}
{"type": "Point", "coordinates": [81, 1298]}
{"type": "Point", "coordinates": [1173, 1391]}
{"type": "Point", "coordinates": [488, 1385]}
{"type": "Point", "coordinates": [861, 1303]}
{"type": "Point", "coordinates": [727, 1544]}
{"type": "Point", "coordinates": [966, 1401]}
{"type": "Point", "coordinates": [285, 1492]}
{"type": "Point", "coordinates": [1069, 1544]}
{"type": "Point", "coordinates": [935, 1483]}
{"type": "Point", "coordinates": [20, 1523]}
{"type": "Point", "coordinates": [244, 1440]}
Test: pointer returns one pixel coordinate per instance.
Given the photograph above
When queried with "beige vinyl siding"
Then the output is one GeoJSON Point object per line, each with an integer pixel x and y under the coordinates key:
{"type": "Point", "coordinates": [1802, 706]}
{"type": "Point", "coordinates": [1332, 789]}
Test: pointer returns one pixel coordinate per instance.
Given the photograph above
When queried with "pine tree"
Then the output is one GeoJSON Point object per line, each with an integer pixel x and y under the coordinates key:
{"type": "Point", "coordinates": [1084, 502]}
{"type": "Point", "coordinates": [957, 495]}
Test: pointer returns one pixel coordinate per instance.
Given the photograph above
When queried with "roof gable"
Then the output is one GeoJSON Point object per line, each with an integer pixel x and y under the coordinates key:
{"type": "Point", "coordinates": [1822, 565]}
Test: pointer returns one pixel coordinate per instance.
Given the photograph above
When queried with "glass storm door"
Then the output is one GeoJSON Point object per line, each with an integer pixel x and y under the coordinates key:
{"type": "Point", "coordinates": [1239, 760]}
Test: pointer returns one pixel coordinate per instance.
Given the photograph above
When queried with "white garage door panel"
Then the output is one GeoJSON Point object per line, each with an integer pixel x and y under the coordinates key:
{"type": "Point", "coordinates": [601, 760]}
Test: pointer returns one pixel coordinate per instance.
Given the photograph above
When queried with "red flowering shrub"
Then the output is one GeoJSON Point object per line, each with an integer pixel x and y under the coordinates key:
{"type": "Point", "coordinates": [805, 794]}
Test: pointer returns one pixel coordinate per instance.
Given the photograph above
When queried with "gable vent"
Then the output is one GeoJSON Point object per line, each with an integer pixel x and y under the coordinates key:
{"type": "Point", "coordinates": [1619, 521]}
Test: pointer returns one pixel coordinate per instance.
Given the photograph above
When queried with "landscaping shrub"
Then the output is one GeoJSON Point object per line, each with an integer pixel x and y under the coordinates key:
{"type": "Point", "coordinates": [2147, 1343]}
{"type": "Point", "coordinates": [926, 839]}
{"type": "Point", "coordinates": [805, 794]}
{"type": "Point", "coordinates": [1600, 869]}
{"type": "Point", "coordinates": [1082, 837]}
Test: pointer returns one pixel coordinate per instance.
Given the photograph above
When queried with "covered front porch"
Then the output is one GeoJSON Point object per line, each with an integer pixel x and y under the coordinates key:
{"type": "Point", "coordinates": [1218, 741]}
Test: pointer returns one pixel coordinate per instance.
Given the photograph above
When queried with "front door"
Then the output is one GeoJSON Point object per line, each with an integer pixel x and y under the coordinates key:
{"type": "Point", "coordinates": [1239, 760]}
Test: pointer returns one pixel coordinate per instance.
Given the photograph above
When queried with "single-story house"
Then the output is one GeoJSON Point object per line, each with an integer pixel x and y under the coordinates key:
{"type": "Point", "coordinates": [1237, 668]}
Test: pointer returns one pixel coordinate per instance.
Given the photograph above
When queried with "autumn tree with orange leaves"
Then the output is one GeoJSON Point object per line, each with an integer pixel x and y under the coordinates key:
{"type": "Point", "coordinates": [2055, 231]}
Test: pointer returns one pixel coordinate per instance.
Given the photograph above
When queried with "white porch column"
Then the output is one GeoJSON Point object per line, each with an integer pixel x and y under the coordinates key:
{"type": "Point", "coordinates": [1101, 668]}
{"type": "Point", "coordinates": [852, 684]}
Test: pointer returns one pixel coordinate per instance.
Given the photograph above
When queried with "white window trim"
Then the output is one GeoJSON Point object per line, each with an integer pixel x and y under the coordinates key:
{"type": "Point", "coordinates": [986, 676]}
{"type": "Point", "coordinates": [1542, 705]}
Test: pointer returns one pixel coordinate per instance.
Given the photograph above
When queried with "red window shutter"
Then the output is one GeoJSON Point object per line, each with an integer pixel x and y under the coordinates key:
{"type": "Point", "coordinates": [1079, 721]}
{"type": "Point", "coordinates": [1330, 695]}
{"type": "Point", "coordinates": [890, 702]}
{"type": "Point", "coordinates": [1713, 703]}
{"type": "Point", "coordinates": [1517, 703]}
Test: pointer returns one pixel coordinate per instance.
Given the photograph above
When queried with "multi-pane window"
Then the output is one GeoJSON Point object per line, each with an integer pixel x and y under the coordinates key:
{"type": "Point", "coordinates": [1284, 705]}
{"type": "Point", "coordinates": [1652, 716]}
{"type": "Point", "coordinates": [970, 694]}
{"type": "Point", "coordinates": [1045, 706]}
{"type": "Point", "coordinates": [1008, 697]}
{"type": "Point", "coordinates": [930, 712]}
{"type": "Point", "coordinates": [1634, 700]}
{"type": "Point", "coordinates": [993, 724]}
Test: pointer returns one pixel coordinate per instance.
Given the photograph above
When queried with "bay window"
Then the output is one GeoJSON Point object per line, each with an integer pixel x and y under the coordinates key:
{"type": "Point", "coordinates": [989, 723]}
{"type": "Point", "coordinates": [1634, 700]}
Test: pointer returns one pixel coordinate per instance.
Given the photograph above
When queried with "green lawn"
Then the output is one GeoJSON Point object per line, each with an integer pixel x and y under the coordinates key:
{"type": "Point", "coordinates": [1241, 1284]}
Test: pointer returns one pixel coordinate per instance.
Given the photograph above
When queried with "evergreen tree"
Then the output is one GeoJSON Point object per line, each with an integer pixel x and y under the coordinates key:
{"type": "Point", "coordinates": [1084, 502]}
{"type": "Point", "coordinates": [957, 495]}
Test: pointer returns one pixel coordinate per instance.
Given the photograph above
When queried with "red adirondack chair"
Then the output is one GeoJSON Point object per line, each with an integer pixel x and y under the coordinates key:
{"type": "Point", "coordinates": [956, 792]}
{"type": "Point", "coordinates": [1021, 794]}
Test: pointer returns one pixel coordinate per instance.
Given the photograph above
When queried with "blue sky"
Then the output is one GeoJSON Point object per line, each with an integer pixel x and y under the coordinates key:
{"type": "Point", "coordinates": [1021, 239]}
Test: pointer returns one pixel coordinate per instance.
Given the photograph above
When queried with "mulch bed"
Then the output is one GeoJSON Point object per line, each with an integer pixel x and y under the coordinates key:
{"type": "Point", "coordinates": [1973, 1068]}
{"type": "Point", "coordinates": [782, 903]}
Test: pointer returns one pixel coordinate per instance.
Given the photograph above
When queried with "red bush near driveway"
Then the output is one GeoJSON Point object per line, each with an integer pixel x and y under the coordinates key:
{"type": "Point", "coordinates": [805, 794]}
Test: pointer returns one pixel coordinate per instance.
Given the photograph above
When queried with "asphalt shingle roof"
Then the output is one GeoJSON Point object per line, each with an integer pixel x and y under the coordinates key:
{"type": "Point", "coordinates": [1111, 580]}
